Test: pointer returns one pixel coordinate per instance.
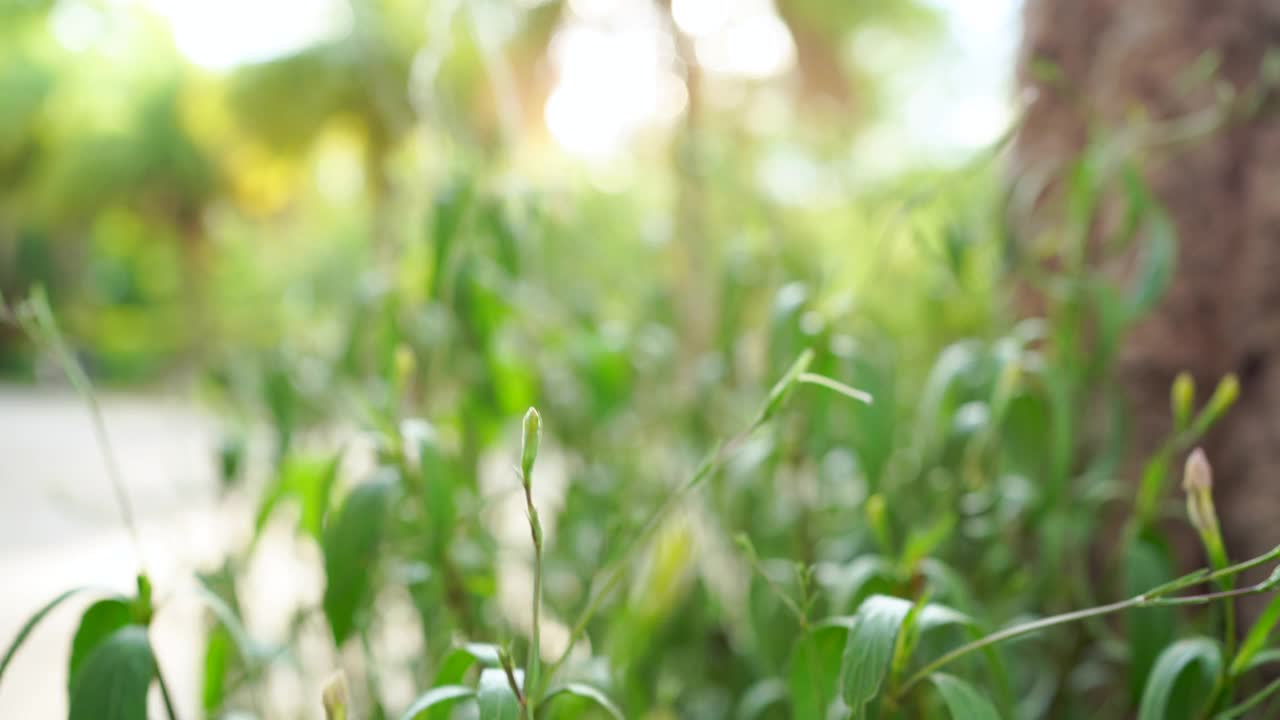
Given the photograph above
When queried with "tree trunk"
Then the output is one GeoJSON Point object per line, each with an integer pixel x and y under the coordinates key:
{"type": "Point", "coordinates": [1105, 65]}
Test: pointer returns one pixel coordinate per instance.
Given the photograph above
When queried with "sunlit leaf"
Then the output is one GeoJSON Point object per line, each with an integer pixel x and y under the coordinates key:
{"type": "Point", "coordinates": [870, 648]}
{"type": "Point", "coordinates": [437, 702]}
{"type": "Point", "coordinates": [586, 691]}
{"type": "Point", "coordinates": [497, 700]}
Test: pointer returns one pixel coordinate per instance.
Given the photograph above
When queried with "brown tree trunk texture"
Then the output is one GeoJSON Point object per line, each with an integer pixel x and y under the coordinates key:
{"type": "Point", "coordinates": [1115, 60]}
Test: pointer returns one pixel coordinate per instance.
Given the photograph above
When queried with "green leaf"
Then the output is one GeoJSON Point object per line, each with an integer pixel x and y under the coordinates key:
{"type": "Point", "coordinates": [963, 700]}
{"type": "Point", "coordinates": [449, 209]}
{"type": "Point", "coordinates": [30, 625]}
{"type": "Point", "coordinates": [113, 681]}
{"type": "Point", "coordinates": [1170, 668]}
{"type": "Point", "coordinates": [1265, 657]}
{"type": "Point", "coordinates": [310, 481]}
{"type": "Point", "coordinates": [351, 550]}
{"type": "Point", "coordinates": [453, 670]}
{"type": "Point", "coordinates": [781, 390]}
{"type": "Point", "coordinates": [758, 698]}
{"type": "Point", "coordinates": [1150, 630]}
{"type": "Point", "coordinates": [249, 649]}
{"type": "Point", "coordinates": [1156, 265]}
{"type": "Point", "coordinates": [588, 692]}
{"type": "Point", "coordinates": [455, 665]}
{"type": "Point", "coordinates": [815, 670]}
{"type": "Point", "coordinates": [497, 701]}
{"type": "Point", "coordinates": [216, 660]}
{"type": "Point", "coordinates": [1249, 703]}
{"type": "Point", "coordinates": [99, 622]}
{"type": "Point", "coordinates": [1256, 640]}
{"type": "Point", "coordinates": [908, 637]}
{"type": "Point", "coordinates": [437, 702]}
{"type": "Point", "coordinates": [870, 648]}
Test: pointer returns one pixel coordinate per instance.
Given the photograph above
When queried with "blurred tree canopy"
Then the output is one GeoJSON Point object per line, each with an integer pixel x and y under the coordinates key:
{"type": "Point", "coordinates": [158, 201]}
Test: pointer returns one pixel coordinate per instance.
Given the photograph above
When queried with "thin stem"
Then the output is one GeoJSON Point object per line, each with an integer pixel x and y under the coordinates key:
{"type": "Point", "coordinates": [613, 573]}
{"type": "Point", "coordinates": [1203, 599]}
{"type": "Point", "coordinates": [534, 664]}
{"type": "Point", "coordinates": [1240, 567]}
{"type": "Point", "coordinates": [164, 694]}
{"type": "Point", "coordinates": [754, 560]}
{"type": "Point", "coordinates": [1249, 703]}
{"type": "Point", "coordinates": [511, 680]}
{"type": "Point", "coordinates": [39, 323]}
{"type": "Point", "coordinates": [1149, 599]}
{"type": "Point", "coordinates": [1013, 632]}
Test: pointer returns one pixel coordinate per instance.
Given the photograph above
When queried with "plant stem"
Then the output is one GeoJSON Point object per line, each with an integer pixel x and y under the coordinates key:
{"type": "Point", "coordinates": [1249, 703]}
{"type": "Point", "coordinates": [534, 664]}
{"type": "Point", "coordinates": [712, 463]}
{"type": "Point", "coordinates": [164, 694]}
{"type": "Point", "coordinates": [613, 573]}
{"type": "Point", "coordinates": [505, 659]}
{"type": "Point", "coordinates": [39, 323]}
{"type": "Point", "coordinates": [1151, 598]}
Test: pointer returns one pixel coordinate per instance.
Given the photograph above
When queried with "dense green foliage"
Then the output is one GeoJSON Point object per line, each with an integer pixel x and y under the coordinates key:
{"type": "Point", "coordinates": [799, 460]}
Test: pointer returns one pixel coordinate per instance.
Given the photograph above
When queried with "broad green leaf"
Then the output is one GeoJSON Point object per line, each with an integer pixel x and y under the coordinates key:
{"type": "Point", "coordinates": [1170, 668]}
{"type": "Point", "coordinates": [497, 701]}
{"type": "Point", "coordinates": [98, 622]}
{"type": "Point", "coordinates": [1150, 630]}
{"type": "Point", "coordinates": [453, 668]}
{"type": "Point", "coordinates": [351, 546]}
{"type": "Point", "coordinates": [437, 702]}
{"type": "Point", "coordinates": [113, 681]}
{"type": "Point", "coordinates": [963, 700]}
{"type": "Point", "coordinates": [586, 691]}
{"type": "Point", "coordinates": [30, 625]}
{"type": "Point", "coordinates": [815, 670]}
{"type": "Point", "coordinates": [1256, 640]}
{"type": "Point", "coordinates": [870, 648]}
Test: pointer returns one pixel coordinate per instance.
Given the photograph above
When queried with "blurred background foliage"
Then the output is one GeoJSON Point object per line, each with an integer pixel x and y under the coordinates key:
{"type": "Point", "coordinates": [432, 214]}
{"type": "Point", "coordinates": [160, 202]}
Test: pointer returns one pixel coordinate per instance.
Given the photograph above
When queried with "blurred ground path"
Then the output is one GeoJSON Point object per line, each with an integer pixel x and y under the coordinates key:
{"type": "Point", "coordinates": [60, 528]}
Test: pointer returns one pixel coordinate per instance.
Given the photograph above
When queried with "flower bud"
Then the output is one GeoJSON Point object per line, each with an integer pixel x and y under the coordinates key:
{"type": "Point", "coordinates": [529, 441]}
{"type": "Point", "coordinates": [1182, 398]}
{"type": "Point", "coordinates": [1197, 482]}
{"type": "Point", "coordinates": [335, 697]}
{"type": "Point", "coordinates": [1224, 396]}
